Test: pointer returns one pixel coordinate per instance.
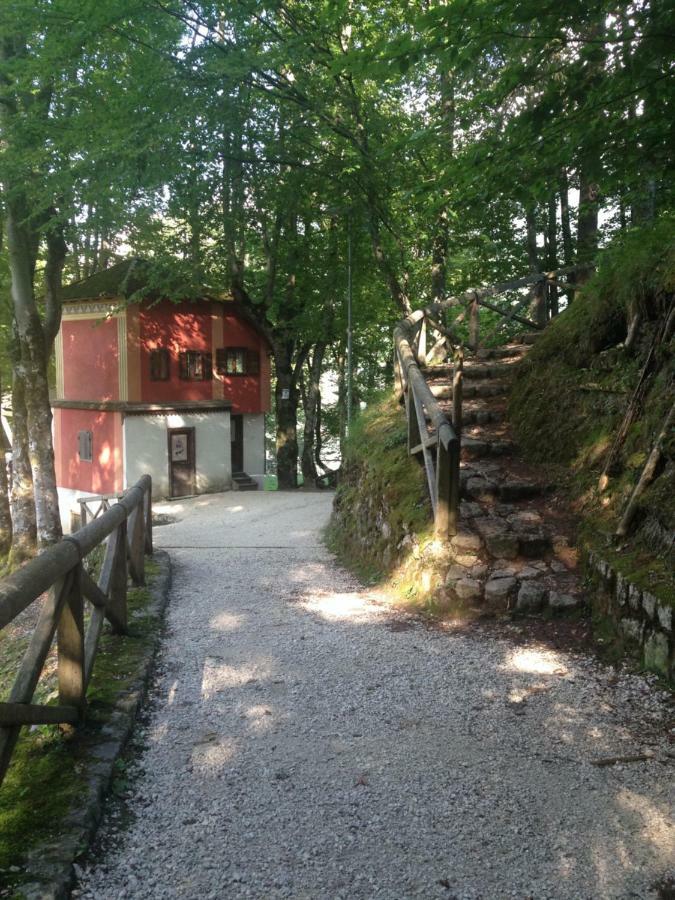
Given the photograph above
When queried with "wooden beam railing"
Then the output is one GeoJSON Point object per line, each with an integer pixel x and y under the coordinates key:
{"type": "Point", "coordinates": [432, 437]}
{"type": "Point", "coordinates": [125, 529]}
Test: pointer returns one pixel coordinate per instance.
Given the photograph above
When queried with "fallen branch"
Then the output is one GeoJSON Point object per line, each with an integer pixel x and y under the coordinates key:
{"type": "Point", "coordinates": [648, 474]}
{"type": "Point", "coordinates": [613, 760]}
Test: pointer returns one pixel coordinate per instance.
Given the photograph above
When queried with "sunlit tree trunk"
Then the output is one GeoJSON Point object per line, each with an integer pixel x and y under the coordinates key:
{"type": "Point", "coordinates": [311, 404]}
{"type": "Point", "coordinates": [5, 510]}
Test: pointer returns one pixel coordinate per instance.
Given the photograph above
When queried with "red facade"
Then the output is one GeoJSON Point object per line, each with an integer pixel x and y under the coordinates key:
{"type": "Point", "coordinates": [106, 371]}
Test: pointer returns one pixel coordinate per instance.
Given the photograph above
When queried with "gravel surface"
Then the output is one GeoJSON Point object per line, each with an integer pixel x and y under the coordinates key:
{"type": "Point", "coordinates": [304, 741]}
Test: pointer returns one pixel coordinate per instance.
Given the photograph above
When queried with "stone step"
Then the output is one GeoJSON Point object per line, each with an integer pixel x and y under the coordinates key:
{"type": "Point", "coordinates": [478, 488]}
{"type": "Point", "coordinates": [474, 370]}
{"type": "Point", "coordinates": [480, 414]}
{"type": "Point", "coordinates": [477, 448]}
{"type": "Point", "coordinates": [528, 338]}
{"type": "Point", "coordinates": [515, 351]}
{"type": "Point", "coordinates": [502, 541]}
{"type": "Point", "coordinates": [443, 390]}
{"type": "Point", "coordinates": [243, 482]}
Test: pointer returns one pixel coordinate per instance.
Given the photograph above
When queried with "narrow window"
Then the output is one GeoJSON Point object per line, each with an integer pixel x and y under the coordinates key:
{"type": "Point", "coordinates": [194, 366]}
{"type": "Point", "coordinates": [159, 365]}
{"type": "Point", "coordinates": [85, 445]}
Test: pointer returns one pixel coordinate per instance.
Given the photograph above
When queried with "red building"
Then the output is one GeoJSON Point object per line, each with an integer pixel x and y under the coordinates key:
{"type": "Point", "coordinates": [176, 389]}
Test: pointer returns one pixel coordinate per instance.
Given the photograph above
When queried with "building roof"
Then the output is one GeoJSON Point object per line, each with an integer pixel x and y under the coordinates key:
{"type": "Point", "coordinates": [121, 281]}
{"type": "Point", "coordinates": [125, 278]}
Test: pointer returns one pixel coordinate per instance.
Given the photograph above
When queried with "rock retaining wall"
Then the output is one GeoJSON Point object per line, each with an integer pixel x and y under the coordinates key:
{"type": "Point", "coordinates": [643, 623]}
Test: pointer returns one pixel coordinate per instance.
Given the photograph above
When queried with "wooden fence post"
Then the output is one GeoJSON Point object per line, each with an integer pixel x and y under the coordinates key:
{"type": "Point", "coordinates": [414, 436]}
{"type": "Point", "coordinates": [474, 324]}
{"type": "Point", "coordinates": [70, 646]}
{"type": "Point", "coordinates": [457, 389]}
{"type": "Point", "coordinates": [147, 501]}
{"type": "Point", "coordinates": [113, 580]}
{"type": "Point", "coordinates": [422, 343]}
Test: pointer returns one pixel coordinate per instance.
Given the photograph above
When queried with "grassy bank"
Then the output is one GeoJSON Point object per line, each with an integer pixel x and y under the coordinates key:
{"type": "Point", "coordinates": [49, 772]}
{"type": "Point", "coordinates": [572, 391]}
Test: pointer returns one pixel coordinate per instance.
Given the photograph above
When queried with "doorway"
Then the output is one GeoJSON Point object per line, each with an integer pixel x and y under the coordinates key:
{"type": "Point", "coordinates": [237, 438]}
{"type": "Point", "coordinates": [182, 462]}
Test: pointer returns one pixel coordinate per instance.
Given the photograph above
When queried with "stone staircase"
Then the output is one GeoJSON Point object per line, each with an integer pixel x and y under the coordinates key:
{"type": "Point", "coordinates": [243, 482]}
{"type": "Point", "coordinates": [515, 547]}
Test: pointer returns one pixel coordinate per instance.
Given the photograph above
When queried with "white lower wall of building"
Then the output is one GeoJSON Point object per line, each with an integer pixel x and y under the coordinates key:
{"type": "Point", "coordinates": [68, 505]}
{"type": "Point", "coordinates": [146, 450]}
{"type": "Point", "coordinates": [254, 446]}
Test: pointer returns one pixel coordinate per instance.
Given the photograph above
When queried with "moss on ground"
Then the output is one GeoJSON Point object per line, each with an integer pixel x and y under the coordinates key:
{"type": "Point", "coordinates": [382, 526]}
{"type": "Point", "coordinates": [48, 772]}
{"type": "Point", "coordinates": [382, 494]}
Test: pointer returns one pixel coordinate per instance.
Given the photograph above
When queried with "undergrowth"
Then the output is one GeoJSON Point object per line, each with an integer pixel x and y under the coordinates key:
{"type": "Point", "coordinates": [571, 393]}
{"type": "Point", "coordinates": [382, 515]}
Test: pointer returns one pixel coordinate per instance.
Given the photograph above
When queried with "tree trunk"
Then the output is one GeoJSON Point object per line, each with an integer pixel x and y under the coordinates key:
{"type": "Point", "coordinates": [5, 511]}
{"type": "Point", "coordinates": [311, 400]}
{"type": "Point", "coordinates": [565, 223]}
{"type": "Point", "coordinates": [34, 347]}
{"type": "Point", "coordinates": [287, 397]}
{"type": "Point", "coordinates": [341, 364]}
{"type": "Point", "coordinates": [24, 529]}
{"type": "Point", "coordinates": [552, 252]}
{"type": "Point", "coordinates": [441, 239]}
{"type": "Point", "coordinates": [587, 224]}
{"type": "Point", "coordinates": [538, 305]}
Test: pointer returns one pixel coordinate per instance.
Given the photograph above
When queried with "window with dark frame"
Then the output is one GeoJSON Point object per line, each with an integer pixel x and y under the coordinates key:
{"type": "Point", "coordinates": [193, 365]}
{"type": "Point", "coordinates": [85, 445]}
{"type": "Point", "coordinates": [237, 361]}
{"type": "Point", "coordinates": [159, 365]}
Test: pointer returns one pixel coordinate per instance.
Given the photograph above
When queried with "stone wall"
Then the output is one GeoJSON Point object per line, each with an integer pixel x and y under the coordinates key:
{"type": "Point", "coordinates": [643, 622]}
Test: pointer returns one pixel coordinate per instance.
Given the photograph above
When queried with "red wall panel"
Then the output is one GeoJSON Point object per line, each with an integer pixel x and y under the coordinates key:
{"type": "Point", "coordinates": [90, 359]}
{"type": "Point", "coordinates": [244, 391]}
{"type": "Point", "coordinates": [103, 475]}
{"type": "Point", "coordinates": [177, 327]}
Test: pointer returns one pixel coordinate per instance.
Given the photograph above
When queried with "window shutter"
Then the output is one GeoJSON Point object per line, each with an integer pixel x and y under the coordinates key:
{"type": "Point", "coordinates": [221, 360]}
{"type": "Point", "coordinates": [183, 372]}
{"type": "Point", "coordinates": [85, 445]}
{"type": "Point", "coordinates": [159, 365]}
{"type": "Point", "coordinates": [252, 362]}
{"type": "Point", "coordinates": [207, 367]}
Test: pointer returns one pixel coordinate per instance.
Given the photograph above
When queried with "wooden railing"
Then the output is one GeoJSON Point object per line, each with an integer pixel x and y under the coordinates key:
{"type": "Point", "coordinates": [432, 437]}
{"type": "Point", "coordinates": [126, 529]}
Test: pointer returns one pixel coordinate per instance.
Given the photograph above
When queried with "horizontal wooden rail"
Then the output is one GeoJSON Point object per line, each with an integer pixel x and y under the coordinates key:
{"type": "Point", "coordinates": [125, 529]}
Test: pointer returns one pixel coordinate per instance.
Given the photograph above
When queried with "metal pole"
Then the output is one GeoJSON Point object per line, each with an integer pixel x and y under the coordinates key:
{"type": "Point", "coordinates": [349, 322]}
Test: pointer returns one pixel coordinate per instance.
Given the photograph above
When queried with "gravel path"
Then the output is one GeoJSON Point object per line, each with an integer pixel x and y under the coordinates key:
{"type": "Point", "coordinates": [304, 742]}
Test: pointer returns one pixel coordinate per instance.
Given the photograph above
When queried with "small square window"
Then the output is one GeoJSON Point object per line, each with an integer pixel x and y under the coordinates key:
{"type": "Point", "coordinates": [195, 366]}
{"type": "Point", "coordinates": [237, 361]}
{"type": "Point", "coordinates": [85, 442]}
{"type": "Point", "coordinates": [159, 365]}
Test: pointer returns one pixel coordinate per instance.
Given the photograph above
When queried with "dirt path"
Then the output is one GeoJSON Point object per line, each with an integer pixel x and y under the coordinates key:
{"type": "Point", "coordinates": [304, 742]}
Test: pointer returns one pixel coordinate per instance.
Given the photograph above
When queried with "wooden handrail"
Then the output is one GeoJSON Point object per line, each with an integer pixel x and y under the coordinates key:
{"type": "Point", "coordinates": [432, 437]}
{"type": "Point", "coordinates": [439, 449]}
{"type": "Point", "coordinates": [126, 529]}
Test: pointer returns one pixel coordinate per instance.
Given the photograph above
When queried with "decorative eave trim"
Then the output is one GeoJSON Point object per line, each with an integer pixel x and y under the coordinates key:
{"type": "Point", "coordinates": [90, 310]}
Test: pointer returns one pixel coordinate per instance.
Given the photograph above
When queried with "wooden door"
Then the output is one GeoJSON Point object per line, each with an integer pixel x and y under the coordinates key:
{"type": "Point", "coordinates": [237, 437]}
{"type": "Point", "coordinates": [182, 462]}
